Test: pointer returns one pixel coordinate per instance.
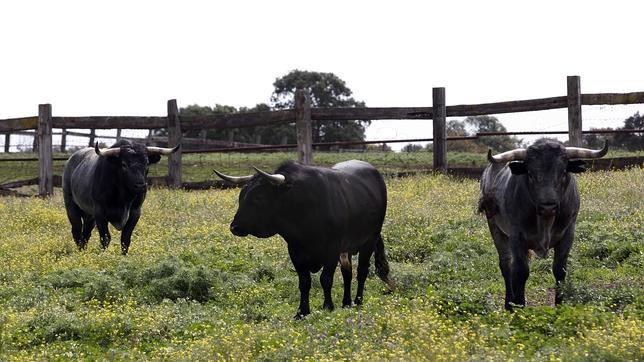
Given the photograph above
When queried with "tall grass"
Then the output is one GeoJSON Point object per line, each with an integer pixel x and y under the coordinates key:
{"type": "Point", "coordinates": [189, 290]}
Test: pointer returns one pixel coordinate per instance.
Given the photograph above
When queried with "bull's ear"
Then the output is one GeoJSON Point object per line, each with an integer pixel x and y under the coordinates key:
{"type": "Point", "coordinates": [576, 166]}
{"type": "Point", "coordinates": [518, 167]}
{"type": "Point", "coordinates": [153, 158]}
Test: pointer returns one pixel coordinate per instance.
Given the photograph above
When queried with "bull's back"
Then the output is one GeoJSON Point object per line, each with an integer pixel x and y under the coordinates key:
{"type": "Point", "coordinates": [363, 198]}
{"type": "Point", "coordinates": [78, 175]}
{"type": "Point", "coordinates": [362, 176]}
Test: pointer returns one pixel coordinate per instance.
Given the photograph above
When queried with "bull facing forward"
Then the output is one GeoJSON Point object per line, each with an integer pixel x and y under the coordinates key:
{"type": "Point", "coordinates": [108, 185]}
{"type": "Point", "coordinates": [323, 214]}
{"type": "Point", "coordinates": [532, 203]}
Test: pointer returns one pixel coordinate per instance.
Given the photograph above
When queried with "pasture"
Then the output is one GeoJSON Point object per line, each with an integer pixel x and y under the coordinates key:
{"type": "Point", "coordinates": [190, 290]}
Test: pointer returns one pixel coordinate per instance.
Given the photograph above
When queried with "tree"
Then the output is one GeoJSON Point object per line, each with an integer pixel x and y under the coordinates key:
{"type": "Point", "coordinates": [470, 126]}
{"type": "Point", "coordinates": [454, 128]}
{"type": "Point", "coordinates": [629, 141]}
{"type": "Point", "coordinates": [596, 140]}
{"type": "Point", "coordinates": [412, 147]}
{"type": "Point", "coordinates": [491, 124]}
{"type": "Point", "coordinates": [326, 90]}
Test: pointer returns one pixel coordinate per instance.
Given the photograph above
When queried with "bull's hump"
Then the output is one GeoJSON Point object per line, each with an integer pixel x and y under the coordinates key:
{"type": "Point", "coordinates": [352, 164]}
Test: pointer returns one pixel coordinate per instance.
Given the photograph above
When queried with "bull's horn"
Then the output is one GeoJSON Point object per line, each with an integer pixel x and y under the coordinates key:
{"type": "Point", "coordinates": [162, 150]}
{"type": "Point", "coordinates": [275, 179]}
{"type": "Point", "coordinates": [514, 155]}
{"type": "Point", "coordinates": [106, 151]}
{"type": "Point", "coordinates": [238, 180]}
{"type": "Point", "coordinates": [578, 152]}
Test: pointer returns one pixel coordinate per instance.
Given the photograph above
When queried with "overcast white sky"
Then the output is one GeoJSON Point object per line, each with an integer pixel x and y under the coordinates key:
{"type": "Point", "coordinates": [130, 57]}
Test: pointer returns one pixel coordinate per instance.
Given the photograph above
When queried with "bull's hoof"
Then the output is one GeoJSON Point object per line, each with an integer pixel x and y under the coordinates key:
{"type": "Point", "coordinates": [81, 245]}
{"type": "Point", "coordinates": [358, 301]}
{"type": "Point", "coordinates": [300, 315]}
{"type": "Point", "coordinates": [346, 303]}
{"type": "Point", "coordinates": [105, 242]}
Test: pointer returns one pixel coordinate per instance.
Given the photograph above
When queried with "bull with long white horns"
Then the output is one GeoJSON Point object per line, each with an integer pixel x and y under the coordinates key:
{"type": "Point", "coordinates": [325, 215]}
{"type": "Point", "coordinates": [108, 185]}
{"type": "Point", "coordinates": [531, 201]}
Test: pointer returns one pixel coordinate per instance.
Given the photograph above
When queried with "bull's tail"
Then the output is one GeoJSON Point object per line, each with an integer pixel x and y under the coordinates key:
{"type": "Point", "coordinates": [382, 265]}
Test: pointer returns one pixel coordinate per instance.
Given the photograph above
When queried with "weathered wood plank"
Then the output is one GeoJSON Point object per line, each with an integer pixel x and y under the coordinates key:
{"type": "Point", "coordinates": [370, 113]}
{"type": "Point", "coordinates": [63, 140]}
{"type": "Point", "coordinates": [574, 110]}
{"type": "Point", "coordinates": [527, 105]}
{"type": "Point", "coordinates": [18, 124]}
{"type": "Point", "coordinates": [303, 126]}
{"type": "Point", "coordinates": [174, 138]}
{"type": "Point", "coordinates": [237, 120]}
{"type": "Point", "coordinates": [440, 134]}
{"type": "Point", "coordinates": [92, 137]}
{"type": "Point", "coordinates": [45, 162]}
{"type": "Point", "coordinates": [612, 98]}
{"type": "Point", "coordinates": [110, 122]}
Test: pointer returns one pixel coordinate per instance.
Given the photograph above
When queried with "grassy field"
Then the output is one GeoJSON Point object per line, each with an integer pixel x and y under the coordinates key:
{"type": "Point", "coordinates": [198, 167]}
{"type": "Point", "coordinates": [189, 290]}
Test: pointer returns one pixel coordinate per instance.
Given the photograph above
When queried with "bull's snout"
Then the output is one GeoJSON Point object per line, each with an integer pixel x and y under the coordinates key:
{"type": "Point", "coordinates": [236, 230]}
{"type": "Point", "coordinates": [140, 187]}
{"type": "Point", "coordinates": [547, 208]}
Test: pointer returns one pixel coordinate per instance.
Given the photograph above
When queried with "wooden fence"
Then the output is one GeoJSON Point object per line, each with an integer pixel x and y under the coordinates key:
{"type": "Point", "coordinates": [302, 115]}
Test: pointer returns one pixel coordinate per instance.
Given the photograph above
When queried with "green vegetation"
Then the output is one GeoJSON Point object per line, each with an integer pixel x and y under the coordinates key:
{"type": "Point", "coordinates": [189, 290]}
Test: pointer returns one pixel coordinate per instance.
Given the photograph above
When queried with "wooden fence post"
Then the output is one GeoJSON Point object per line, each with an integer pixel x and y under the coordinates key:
{"type": "Point", "coordinates": [63, 139]}
{"type": "Point", "coordinates": [174, 138]}
{"type": "Point", "coordinates": [35, 146]}
{"type": "Point", "coordinates": [303, 126]}
{"type": "Point", "coordinates": [45, 158]}
{"type": "Point", "coordinates": [7, 142]}
{"type": "Point", "coordinates": [118, 134]}
{"type": "Point", "coordinates": [574, 111]}
{"type": "Point", "coordinates": [438, 117]}
{"type": "Point", "coordinates": [92, 136]}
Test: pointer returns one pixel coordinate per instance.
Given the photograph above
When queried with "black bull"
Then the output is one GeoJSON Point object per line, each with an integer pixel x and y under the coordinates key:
{"type": "Point", "coordinates": [532, 203]}
{"type": "Point", "coordinates": [102, 186]}
{"type": "Point", "coordinates": [324, 215]}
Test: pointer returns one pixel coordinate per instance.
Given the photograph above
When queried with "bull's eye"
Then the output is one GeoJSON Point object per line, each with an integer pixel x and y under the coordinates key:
{"type": "Point", "coordinates": [124, 165]}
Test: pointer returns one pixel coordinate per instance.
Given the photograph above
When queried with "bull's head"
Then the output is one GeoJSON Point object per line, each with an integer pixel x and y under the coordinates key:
{"type": "Point", "coordinates": [547, 165]}
{"type": "Point", "coordinates": [131, 161]}
{"type": "Point", "coordinates": [259, 202]}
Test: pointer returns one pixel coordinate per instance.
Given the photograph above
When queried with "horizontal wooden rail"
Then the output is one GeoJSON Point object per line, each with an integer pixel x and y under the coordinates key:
{"type": "Point", "coordinates": [18, 124]}
{"type": "Point", "coordinates": [237, 120]}
{"type": "Point", "coordinates": [370, 113]}
{"type": "Point", "coordinates": [612, 98]}
{"type": "Point", "coordinates": [110, 122]}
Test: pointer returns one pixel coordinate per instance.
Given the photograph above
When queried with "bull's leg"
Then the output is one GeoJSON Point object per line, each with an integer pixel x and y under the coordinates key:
{"type": "Point", "coordinates": [505, 261]}
{"type": "Point", "coordinates": [562, 249]}
{"type": "Point", "coordinates": [364, 257]}
{"type": "Point", "coordinates": [520, 270]}
{"type": "Point", "coordinates": [126, 234]}
{"type": "Point", "coordinates": [347, 274]}
{"type": "Point", "coordinates": [103, 232]}
{"type": "Point", "coordinates": [74, 214]}
{"type": "Point", "coordinates": [326, 279]}
{"type": "Point", "coordinates": [88, 226]}
{"type": "Point", "coordinates": [304, 283]}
